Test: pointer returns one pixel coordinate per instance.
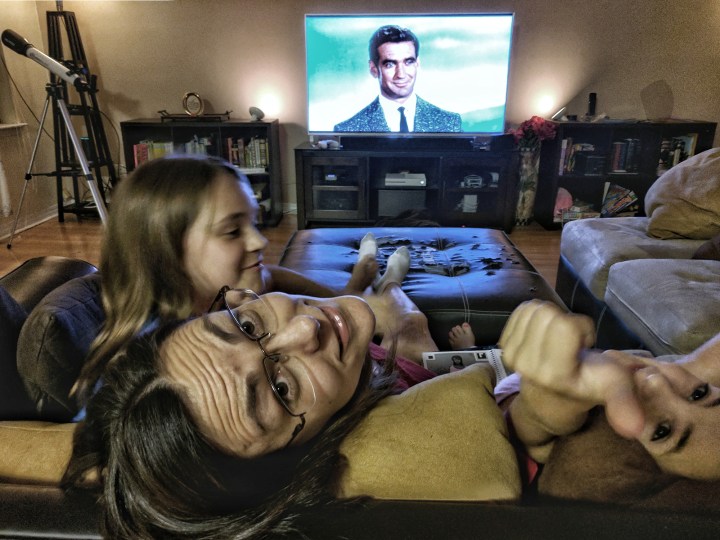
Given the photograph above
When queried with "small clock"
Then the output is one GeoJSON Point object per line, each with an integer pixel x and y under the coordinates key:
{"type": "Point", "coordinates": [193, 104]}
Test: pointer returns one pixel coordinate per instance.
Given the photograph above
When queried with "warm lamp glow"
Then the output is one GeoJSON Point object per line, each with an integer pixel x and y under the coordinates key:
{"type": "Point", "coordinates": [545, 105]}
{"type": "Point", "coordinates": [269, 101]}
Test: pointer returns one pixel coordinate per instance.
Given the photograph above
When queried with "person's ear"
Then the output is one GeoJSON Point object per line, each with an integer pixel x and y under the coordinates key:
{"type": "Point", "coordinates": [373, 69]}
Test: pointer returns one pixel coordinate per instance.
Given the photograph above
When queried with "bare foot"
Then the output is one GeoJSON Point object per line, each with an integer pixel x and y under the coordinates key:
{"type": "Point", "coordinates": [397, 268]}
{"type": "Point", "coordinates": [363, 274]}
{"type": "Point", "coordinates": [461, 337]}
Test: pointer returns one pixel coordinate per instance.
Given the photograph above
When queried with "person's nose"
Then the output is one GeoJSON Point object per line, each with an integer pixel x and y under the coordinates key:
{"type": "Point", "coordinates": [300, 334]}
{"type": "Point", "coordinates": [254, 240]}
{"type": "Point", "coordinates": [400, 71]}
{"type": "Point", "coordinates": [655, 389]}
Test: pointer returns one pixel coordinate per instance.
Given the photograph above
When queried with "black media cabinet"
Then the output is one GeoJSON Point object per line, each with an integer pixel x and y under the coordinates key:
{"type": "Point", "coordinates": [366, 180]}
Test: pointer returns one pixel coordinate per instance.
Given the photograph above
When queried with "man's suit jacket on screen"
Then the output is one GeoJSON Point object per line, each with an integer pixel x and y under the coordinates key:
{"type": "Point", "coordinates": [428, 118]}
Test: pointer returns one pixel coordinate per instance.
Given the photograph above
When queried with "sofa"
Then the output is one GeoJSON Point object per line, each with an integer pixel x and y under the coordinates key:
{"type": "Point", "coordinates": [32, 506]}
{"type": "Point", "coordinates": [651, 281]}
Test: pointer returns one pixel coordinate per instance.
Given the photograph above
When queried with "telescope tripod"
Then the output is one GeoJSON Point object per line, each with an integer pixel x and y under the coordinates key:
{"type": "Point", "coordinates": [59, 105]}
{"type": "Point", "coordinates": [73, 156]}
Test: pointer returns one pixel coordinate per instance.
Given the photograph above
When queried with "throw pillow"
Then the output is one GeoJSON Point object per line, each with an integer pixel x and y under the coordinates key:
{"type": "Point", "coordinates": [14, 401]}
{"type": "Point", "coordinates": [685, 201]}
{"type": "Point", "coordinates": [443, 439]}
{"type": "Point", "coordinates": [54, 342]}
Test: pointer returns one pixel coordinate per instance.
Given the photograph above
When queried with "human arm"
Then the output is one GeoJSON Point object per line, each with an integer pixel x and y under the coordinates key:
{"type": "Point", "coordinates": [292, 282]}
{"type": "Point", "coordinates": [561, 379]}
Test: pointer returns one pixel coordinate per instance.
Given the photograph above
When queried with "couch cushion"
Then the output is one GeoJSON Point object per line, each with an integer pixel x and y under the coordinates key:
{"type": "Point", "coordinates": [34, 452]}
{"type": "Point", "coordinates": [710, 250]}
{"type": "Point", "coordinates": [673, 306]}
{"type": "Point", "coordinates": [14, 401]}
{"type": "Point", "coordinates": [54, 342]}
{"type": "Point", "coordinates": [36, 277]}
{"type": "Point", "coordinates": [407, 447]}
{"type": "Point", "coordinates": [592, 246]}
{"type": "Point", "coordinates": [685, 201]}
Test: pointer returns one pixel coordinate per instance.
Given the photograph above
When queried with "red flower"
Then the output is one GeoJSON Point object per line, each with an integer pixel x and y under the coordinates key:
{"type": "Point", "coordinates": [531, 132]}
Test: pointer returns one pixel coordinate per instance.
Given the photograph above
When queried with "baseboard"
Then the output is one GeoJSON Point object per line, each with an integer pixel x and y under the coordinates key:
{"type": "Point", "coordinates": [28, 222]}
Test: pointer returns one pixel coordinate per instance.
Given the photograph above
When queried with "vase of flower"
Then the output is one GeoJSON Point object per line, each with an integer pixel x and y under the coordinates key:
{"type": "Point", "coordinates": [529, 137]}
{"type": "Point", "coordinates": [529, 166]}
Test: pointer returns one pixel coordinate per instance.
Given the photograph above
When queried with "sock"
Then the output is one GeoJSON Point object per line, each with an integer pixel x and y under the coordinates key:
{"type": "Point", "coordinates": [368, 246]}
{"type": "Point", "coordinates": [397, 267]}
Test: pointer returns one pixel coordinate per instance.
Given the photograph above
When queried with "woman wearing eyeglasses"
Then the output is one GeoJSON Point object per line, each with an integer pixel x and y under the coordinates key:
{"type": "Point", "coordinates": [230, 423]}
{"type": "Point", "coordinates": [217, 412]}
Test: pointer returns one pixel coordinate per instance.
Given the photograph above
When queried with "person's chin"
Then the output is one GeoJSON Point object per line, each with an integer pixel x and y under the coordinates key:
{"type": "Point", "coordinates": [363, 321]}
{"type": "Point", "coordinates": [253, 280]}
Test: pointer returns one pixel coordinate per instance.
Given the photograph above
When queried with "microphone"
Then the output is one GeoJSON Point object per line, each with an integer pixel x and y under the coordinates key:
{"type": "Point", "coordinates": [20, 45]}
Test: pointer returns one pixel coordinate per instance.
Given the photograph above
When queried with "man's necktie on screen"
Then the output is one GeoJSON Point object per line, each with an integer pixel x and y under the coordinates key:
{"type": "Point", "coordinates": [403, 120]}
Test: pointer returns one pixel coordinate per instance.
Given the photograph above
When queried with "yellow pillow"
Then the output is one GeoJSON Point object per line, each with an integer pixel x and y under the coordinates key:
{"type": "Point", "coordinates": [685, 201]}
{"type": "Point", "coordinates": [34, 452]}
{"type": "Point", "coordinates": [443, 439]}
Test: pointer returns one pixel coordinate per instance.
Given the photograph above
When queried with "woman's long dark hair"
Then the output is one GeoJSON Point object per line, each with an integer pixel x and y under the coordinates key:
{"type": "Point", "coordinates": [161, 477]}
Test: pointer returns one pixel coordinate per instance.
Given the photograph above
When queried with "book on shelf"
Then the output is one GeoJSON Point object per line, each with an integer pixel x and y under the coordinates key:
{"type": "Point", "coordinates": [683, 147]}
{"type": "Point", "coordinates": [616, 199]}
{"type": "Point", "coordinates": [676, 149]}
{"type": "Point", "coordinates": [624, 156]}
{"type": "Point", "coordinates": [572, 150]}
{"type": "Point", "coordinates": [252, 170]}
{"type": "Point", "coordinates": [147, 150]}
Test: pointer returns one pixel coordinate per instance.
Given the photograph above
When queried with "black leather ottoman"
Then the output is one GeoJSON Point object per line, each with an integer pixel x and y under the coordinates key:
{"type": "Point", "coordinates": [456, 274]}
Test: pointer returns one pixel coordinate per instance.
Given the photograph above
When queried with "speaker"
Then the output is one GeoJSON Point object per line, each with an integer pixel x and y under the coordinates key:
{"type": "Point", "coordinates": [592, 101]}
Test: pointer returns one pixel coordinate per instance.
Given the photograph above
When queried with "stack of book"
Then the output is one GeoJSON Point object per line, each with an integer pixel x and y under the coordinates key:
{"type": "Point", "coordinates": [617, 200]}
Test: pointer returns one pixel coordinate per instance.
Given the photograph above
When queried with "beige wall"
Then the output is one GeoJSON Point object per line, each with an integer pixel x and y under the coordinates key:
{"type": "Point", "coordinates": [644, 58]}
{"type": "Point", "coordinates": [16, 143]}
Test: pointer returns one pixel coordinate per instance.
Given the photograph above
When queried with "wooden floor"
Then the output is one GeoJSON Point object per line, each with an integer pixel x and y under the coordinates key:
{"type": "Point", "coordinates": [81, 239]}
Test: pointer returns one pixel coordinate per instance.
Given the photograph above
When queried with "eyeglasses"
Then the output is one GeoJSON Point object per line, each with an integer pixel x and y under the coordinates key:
{"type": "Point", "coordinates": [288, 379]}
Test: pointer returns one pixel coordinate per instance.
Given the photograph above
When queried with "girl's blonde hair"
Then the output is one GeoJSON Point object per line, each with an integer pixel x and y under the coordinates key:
{"type": "Point", "coordinates": [143, 276]}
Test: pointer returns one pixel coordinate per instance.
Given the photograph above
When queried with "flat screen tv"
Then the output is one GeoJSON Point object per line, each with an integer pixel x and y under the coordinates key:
{"type": "Point", "coordinates": [459, 73]}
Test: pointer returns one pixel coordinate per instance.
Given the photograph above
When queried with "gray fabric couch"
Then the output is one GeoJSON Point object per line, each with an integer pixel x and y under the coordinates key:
{"type": "Point", "coordinates": [641, 291]}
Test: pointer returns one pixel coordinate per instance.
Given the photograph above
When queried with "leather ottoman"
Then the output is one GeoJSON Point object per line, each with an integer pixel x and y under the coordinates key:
{"type": "Point", "coordinates": [456, 274]}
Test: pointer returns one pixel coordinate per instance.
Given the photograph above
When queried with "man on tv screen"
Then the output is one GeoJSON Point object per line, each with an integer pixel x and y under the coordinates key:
{"type": "Point", "coordinates": [394, 62]}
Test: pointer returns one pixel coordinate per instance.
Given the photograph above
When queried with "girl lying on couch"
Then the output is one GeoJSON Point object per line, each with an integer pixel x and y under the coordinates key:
{"type": "Point", "coordinates": [229, 424]}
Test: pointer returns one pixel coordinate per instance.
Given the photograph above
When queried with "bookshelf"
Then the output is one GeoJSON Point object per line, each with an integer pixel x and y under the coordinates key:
{"type": "Point", "coordinates": [587, 157]}
{"type": "Point", "coordinates": [253, 146]}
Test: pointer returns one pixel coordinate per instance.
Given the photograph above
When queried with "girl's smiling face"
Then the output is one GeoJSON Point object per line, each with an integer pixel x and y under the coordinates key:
{"type": "Point", "coordinates": [223, 246]}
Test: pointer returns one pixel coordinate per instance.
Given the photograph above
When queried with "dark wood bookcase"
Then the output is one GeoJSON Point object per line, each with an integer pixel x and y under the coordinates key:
{"type": "Point", "coordinates": [216, 137]}
{"type": "Point", "coordinates": [349, 187]}
{"type": "Point", "coordinates": [626, 153]}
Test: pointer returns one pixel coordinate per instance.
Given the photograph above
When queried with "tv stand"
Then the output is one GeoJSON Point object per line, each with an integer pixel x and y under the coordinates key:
{"type": "Point", "coordinates": [430, 142]}
{"type": "Point", "coordinates": [357, 184]}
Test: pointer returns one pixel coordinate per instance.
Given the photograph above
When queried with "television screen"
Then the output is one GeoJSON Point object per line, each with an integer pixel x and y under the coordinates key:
{"type": "Point", "coordinates": [455, 80]}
